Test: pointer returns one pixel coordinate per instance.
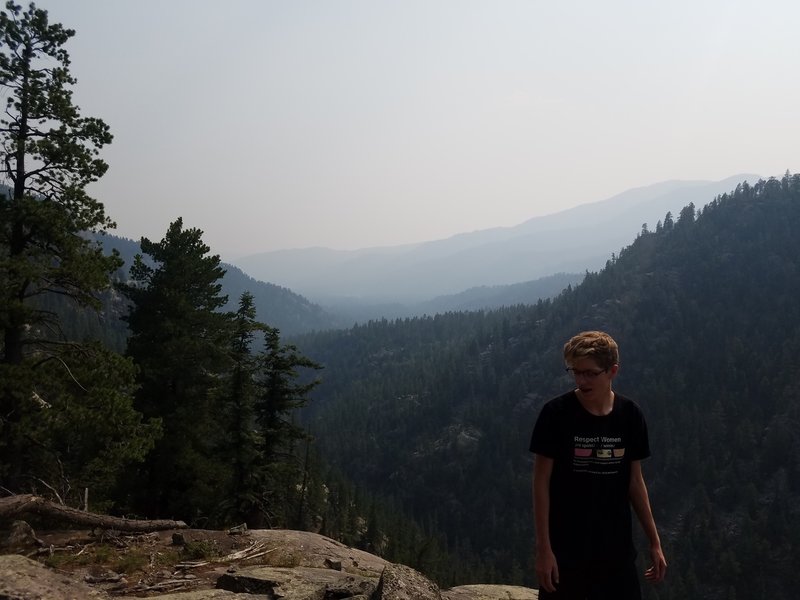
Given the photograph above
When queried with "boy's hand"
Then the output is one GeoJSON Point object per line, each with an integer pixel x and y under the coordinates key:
{"type": "Point", "coordinates": [547, 570]}
{"type": "Point", "coordinates": [658, 570]}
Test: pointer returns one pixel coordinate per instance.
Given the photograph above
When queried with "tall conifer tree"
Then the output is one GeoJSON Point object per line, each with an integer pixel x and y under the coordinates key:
{"type": "Point", "coordinates": [264, 389]}
{"type": "Point", "coordinates": [281, 391]}
{"type": "Point", "coordinates": [244, 495]}
{"type": "Point", "coordinates": [48, 155]}
{"type": "Point", "coordinates": [179, 339]}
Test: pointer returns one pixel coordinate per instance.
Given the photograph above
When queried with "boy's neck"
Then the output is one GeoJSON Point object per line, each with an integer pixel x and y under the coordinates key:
{"type": "Point", "coordinates": [598, 404]}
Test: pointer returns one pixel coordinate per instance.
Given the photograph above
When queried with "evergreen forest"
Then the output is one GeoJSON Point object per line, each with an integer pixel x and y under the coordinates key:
{"type": "Point", "coordinates": [187, 412]}
{"type": "Point", "coordinates": [146, 388]}
{"type": "Point", "coordinates": [436, 413]}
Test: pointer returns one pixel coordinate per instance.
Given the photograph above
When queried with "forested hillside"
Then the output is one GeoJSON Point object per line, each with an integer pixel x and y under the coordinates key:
{"type": "Point", "coordinates": [535, 248]}
{"type": "Point", "coordinates": [291, 313]}
{"type": "Point", "coordinates": [195, 420]}
{"type": "Point", "coordinates": [353, 310]}
{"type": "Point", "coordinates": [436, 413]}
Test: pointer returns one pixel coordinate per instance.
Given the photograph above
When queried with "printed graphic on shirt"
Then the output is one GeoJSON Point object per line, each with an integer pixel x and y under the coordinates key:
{"type": "Point", "coordinates": [598, 455]}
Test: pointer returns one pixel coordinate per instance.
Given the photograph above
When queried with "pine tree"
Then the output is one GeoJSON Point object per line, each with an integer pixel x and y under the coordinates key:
{"type": "Point", "coordinates": [179, 340]}
{"type": "Point", "coordinates": [49, 155]}
{"type": "Point", "coordinates": [87, 433]}
{"type": "Point", "coordinates": [281, 391]}
{"type": "Point", "coordinates": [244, 496]}
{"type": "Point", "coordinates": [48, 158]}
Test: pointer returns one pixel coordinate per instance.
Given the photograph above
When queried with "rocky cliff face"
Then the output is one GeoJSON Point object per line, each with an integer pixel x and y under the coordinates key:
{"type": "Point", "coordinates": [252, 565]}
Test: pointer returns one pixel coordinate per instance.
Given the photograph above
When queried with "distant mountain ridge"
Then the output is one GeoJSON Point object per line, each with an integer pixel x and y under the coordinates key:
{"type": "Point", "coordinates": [573, 240]}
{"type": "Point", "coordinates": [474, 299]}
{"type": "Point", "coordinates": [293, 314]}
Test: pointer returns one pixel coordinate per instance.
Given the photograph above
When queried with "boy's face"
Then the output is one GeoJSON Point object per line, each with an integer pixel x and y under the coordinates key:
{"type": "Point", "coordinates": [592, 379]}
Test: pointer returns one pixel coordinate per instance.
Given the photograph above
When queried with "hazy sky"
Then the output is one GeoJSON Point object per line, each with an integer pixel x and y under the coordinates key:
{"type": "Point", "coordinates": [349, 124]}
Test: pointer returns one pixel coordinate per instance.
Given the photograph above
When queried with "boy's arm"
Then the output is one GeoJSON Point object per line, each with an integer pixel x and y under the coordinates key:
{"type": "Point", "coordinates": [546, 566]}
{"type": "Point", "coordinates": [641, 506]}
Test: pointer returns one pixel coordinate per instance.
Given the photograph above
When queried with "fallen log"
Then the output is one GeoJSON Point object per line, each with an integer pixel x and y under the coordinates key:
{"type": "Point", "coordinates": [12, 506]}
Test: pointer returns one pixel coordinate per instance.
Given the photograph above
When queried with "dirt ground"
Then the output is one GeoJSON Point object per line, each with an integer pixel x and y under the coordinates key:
{"type": "Point", "coordinates": [162, 562]}
{"type": "Point", "coordinates": [183, 560]}
{"type": "Point", "coordinates": [141, 564]}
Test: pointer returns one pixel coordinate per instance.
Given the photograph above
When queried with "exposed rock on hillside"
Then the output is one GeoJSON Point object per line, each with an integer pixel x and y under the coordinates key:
{"type": "Point", "coordinates": [24, 579]}
{"type": "Point", "coordinates": [254, 565]}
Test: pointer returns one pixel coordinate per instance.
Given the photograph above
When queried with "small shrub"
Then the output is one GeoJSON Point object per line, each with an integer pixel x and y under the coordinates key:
{"type": "Point", "coordinates": [59, 560]}
{"type": "Point", "coordinates": [200, 549]}
{"type": "Point", "coordinates": [100, 554]}
{"type": "Point", "coordinates": [166, 558]}
{"type": "Point", "coordinates": [89, 555]}
{"type": "Point", "coordinates": [131, 562]}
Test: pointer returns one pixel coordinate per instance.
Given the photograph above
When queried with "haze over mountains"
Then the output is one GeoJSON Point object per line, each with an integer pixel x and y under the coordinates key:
{"type": "Point", "coordinates": [571, 241]}
{"type": "Point", "coordinates": [317, 288]}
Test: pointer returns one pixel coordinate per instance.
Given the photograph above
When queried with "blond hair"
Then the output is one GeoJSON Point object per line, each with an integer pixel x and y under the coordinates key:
{"type": "Point", "coordinates": [596, 345]}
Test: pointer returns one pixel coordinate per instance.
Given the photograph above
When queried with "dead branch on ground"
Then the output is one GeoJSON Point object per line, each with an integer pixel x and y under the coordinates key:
{"type": "Point", "coordinates": [21, 504]}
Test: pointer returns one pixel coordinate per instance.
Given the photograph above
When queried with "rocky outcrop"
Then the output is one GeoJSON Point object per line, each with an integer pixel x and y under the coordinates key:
{"type": "Point", "coordinates": [399, 582]}
{"type": "Point", "coordinates": [25, 579]}
{"type": "Point", "coordinates": [298, 583]}
{"type": "Point", "coordinates": [490, 592]}
{"type": "Point", "coordinates": [276, 564]}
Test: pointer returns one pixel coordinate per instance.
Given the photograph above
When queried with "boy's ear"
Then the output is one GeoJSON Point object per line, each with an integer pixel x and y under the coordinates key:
{"type": "Point", "coordinates": [614, 369]}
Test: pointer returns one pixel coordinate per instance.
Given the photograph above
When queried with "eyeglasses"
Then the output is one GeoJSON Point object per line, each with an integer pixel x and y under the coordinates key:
{"type": "Point", "coordinates": [586, 374]}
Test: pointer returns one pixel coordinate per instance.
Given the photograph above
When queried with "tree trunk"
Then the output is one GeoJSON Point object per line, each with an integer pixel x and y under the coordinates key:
{"type": "Point", "coordinates": [12, 506]}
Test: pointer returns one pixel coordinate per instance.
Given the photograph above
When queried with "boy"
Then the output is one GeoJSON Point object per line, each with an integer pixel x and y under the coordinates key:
{"type": "Point", "coordinates": [588, 444]}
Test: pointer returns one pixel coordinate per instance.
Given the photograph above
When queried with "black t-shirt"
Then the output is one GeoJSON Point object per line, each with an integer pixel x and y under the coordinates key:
{"type": "Point", "coordinates": [590, 514]}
